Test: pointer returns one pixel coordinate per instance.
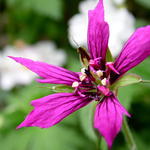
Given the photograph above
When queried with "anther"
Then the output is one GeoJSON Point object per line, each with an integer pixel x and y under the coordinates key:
{"type": "Point", "coordinates": [82, 77]}
{"type": "Point", "coordinates": [99, 73]}
{"type": "Point", "coordinates": [104, 82]}
{"type": "Point", "coordinates": [83, 71]}
{"type": "Point", "coordinates": [110, 65]}
{"type": "Point", "coordinates": [75, 84]}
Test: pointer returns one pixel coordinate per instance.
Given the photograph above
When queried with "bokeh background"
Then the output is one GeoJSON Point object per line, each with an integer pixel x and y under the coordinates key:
{"type": "Point", "coordinates": [50, 31]}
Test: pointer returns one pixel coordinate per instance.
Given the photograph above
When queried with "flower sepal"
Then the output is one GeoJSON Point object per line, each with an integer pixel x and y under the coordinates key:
{"type": "Point", "coordinates": [62, 89]}
{"type": "Point", "coordinates": [126, 80]}
{"type": "Point", "coordinates": [109, 57]}
{"type": "Point", "coordinates": [84, 56]}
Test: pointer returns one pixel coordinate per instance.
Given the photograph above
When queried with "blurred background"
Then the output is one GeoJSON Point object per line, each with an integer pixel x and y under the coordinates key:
{"type": "Point", "coordinates": [50, 31]}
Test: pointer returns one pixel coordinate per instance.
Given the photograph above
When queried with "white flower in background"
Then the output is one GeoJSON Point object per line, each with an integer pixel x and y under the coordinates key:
{"type": "Point", "coordinates": [11, 73]}
{"type": "Point", "coordinates": [121, 24]}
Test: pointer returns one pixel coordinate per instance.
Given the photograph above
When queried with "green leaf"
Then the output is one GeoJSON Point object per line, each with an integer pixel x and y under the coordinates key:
{"type": "Point", "coordinates": [125, 80]}
{"type": "Point", "coordinates": [109, 57]}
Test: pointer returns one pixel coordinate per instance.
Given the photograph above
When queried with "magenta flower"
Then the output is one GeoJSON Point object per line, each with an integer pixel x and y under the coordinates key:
{"type": "Point", "coordinates": [93, 83]}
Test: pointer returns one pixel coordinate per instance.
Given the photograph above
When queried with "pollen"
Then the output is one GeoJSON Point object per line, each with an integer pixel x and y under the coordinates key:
{"type": "Point", "coordinates": [82, 77]}
{"type": "Point", "coordinates": [99, 73]}
{"type": "Point", "coordinates": [83, 71]}
{"type": "Point", "coordinates": [104, 82]}
{"type": "Point", "coordinates": [75, 84]}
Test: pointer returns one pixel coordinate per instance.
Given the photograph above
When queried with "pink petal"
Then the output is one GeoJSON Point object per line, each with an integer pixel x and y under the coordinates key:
{"type": "Point", "coordinates": [108, 118]}
{"type": "Point", "coordinates": [136, 49]}
{"type": "Point", "coordinates": [49, 73]}
{"type": "Point", "coordinates": [51, 109]}
{"type": "Point", "coordinates": [98, 32]}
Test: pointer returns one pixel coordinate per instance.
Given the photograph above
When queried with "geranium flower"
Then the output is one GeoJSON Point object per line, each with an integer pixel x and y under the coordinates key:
{"type": "Point", "coordinates": [93, 83]}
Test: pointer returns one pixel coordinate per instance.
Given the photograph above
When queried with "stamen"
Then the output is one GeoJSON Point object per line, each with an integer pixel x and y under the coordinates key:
{"type": "Point", "coordinates": [75, 84]}
{"type": "Point", "coordinates": [104, 90]}
{"type": "Point", "coordinates": [99, 73]}
{"type": "Point", "coordinates": [83, 71]}
{"type": "Point", "coordinates": [110, 65]}
{"type": "Point", "coordinates": [82, 77]}
{"type": "Point", "coordinates": [104, 82]}
{"type": "Point", "coordinates": [95, 62]}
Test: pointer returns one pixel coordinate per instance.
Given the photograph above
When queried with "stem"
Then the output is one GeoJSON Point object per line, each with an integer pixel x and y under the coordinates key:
{"type": "Point", "coordinates": [128, 136]}
{"type": "Point", "coordinates": [145, 81]}
{"type": "Point", "coordinates": [96, 132]}
{"type": "Point", "coordinates": [98, 141]}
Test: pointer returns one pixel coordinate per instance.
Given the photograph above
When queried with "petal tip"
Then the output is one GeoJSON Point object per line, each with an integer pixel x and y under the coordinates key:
{"type": "Point", "coordinates": [12, 57]}
{"type": "Point", "coordinates": [19, 126]}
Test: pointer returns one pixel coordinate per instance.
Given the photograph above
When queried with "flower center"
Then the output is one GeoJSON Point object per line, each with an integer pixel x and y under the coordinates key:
{"type": "Point", "coordinates": [94, 78]}
{"type": "Point", "coordinates": [93, 83]}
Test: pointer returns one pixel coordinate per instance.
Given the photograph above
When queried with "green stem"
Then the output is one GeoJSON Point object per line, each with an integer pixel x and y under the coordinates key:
{"type": "Point", "coordinates": [96, 132]}
{"type": "Point", "coordinates": [145, 81]}
{"type": "Point", "coordinates": [98, 141]}
{"type": "Point", "coordinates": [128, 136]}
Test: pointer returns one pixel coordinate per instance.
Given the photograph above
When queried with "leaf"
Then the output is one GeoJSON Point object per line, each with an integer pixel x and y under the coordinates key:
{"type": "Point", "coordinates": [109, 57]}
{"type": "Point", "coordinates": [125, 80]}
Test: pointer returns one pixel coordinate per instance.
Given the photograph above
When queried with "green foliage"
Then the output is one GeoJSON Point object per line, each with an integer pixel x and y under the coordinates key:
{"type": "Point", "coordinates": [33, 20]}
{"type": "Point", "coordinates": [143, 69]}
{"type": "Point", "coordinates": [55, 138]}
{"type": "Point", "coordinates": [86, 118]}
{"type": "Point", "coordinates": [145, 3]}
{"type": "Point", "coordinates": [50, 8]}
{"type": "Point", "coordinates": [68, 133]}
{"type": "Point", "coordinates": [127, 94]}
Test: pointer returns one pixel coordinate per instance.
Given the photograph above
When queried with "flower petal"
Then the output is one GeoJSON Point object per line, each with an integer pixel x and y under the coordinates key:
{"type": "Point", "coordinates": [136, 49]}
{"type": "Point", "coordinates": [49, 73]}
{"type": "Point", "coordinates": [108, 118]}
{"type": "Point", "coordinates": [98, 32]}
{"type": "Point", "coordinates": [51, 109]}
